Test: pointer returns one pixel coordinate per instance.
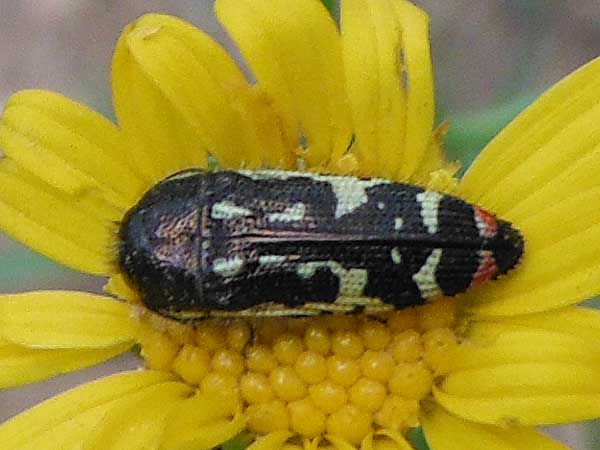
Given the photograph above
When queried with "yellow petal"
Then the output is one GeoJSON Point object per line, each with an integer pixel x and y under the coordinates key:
{"type": "Point", "coordinates": [69, 146]}
{"type": "Point", "coordinates": [525, 394]}
{"type": "Point", "coordinates": [75, 231]}
{"type": "Point", "coordinates": [435, 171]}
{"type": "Point", "coordinates": [118, 287]}
{"type": "Point", "coordinates": [541, 174]}
{"type": "Point", "coordinates": [446, 432]}
{"type": "Point", "coordinates": [397, 438]}
{"type": "Point", "coordinates": [523, 379]}
{"type": "Point", "coordinates": [63, 421]}
{"type": "Point", "coordinates": [272, 441]}
{"type": "Point", "coordinates": [532, 142]}
{"type": "Point", "coordinates": [208, 435]}
{"type": "Point", "coordinates": [202, 85]}
{"type": "Point", "coordinates": [583, 323]}
{"type": "Point", "coordinates": [69, 434]}
{"type": "Point", "coordinates": [420, 106]}
{"type": "Point", "coordinates": [339, 443]}
{"type": "Point", "coordinates": [491, 344]}
{"type": "Point", "coordinates": [294, 51]}
{"type": "Point", "coordinates": [278, 143]}
{"type": "Point", "coordinates": [560, 265]}
{"type": "Point", "coordinates": [371, 39]}
{"type": "Point", "coordinates": [161, 141]}
{"type": "Point", "coordinates": [137, 422]}
{"type": "Point", "coordinates": [195, 412]}
{"type": "Point", "coordinates": [552, 274]}
{"type": "Point", "coordinates": [367, 443]}
{"type": "Point", "coordinates": [21, 365]}
{"type": "Point", "coordinates": [311, 444]}
{"type": "Point", "coordinates": [61, 319]}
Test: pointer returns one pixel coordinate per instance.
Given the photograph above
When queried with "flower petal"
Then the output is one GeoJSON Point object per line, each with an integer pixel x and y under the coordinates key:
{"type": "Point", "coordinates": [492, 344]}
{"type": "Point", "coordinates": [73, 230]}
{"type": "Point", "coordinates": [583, 323]}
{"type": "Point", "coordinates": [208, 435]}
{"type": "Point", "coordinates": [435, 171]}
{"type": "Point", "coordinates": [21, 365]}
{"type": "Point", "coordinates": [525, 393]}
{"type": "Point", "coordinates": [294, 51]}
{"type": "Point", "coordinates": [119, 288]}
{"type": "Point", "coordinates": [541, 143]}
{"type": "Point", "coordinates": [444, 431]}
{"type": "Point", "coordinates": [64, 421]}
{"type": "Point", "coordinates": [541, 174]}
{"type": "Point", "coordinates": [141, 415]}
{"type": "Point", "coordinates": [271, 441]}
{"type": "Point", "coordinates": [338, 443]}
{"type": "Point", "coordinates": [522, 379]}
{"type": "Point", "coordinates": [420, 107]}
{"type": "Point", "coordinates": [161, 140]}
{"type": "Point", "coordinates": [371, 37]}
{"type": "Point", "coordinates": [211, 105]}
{"type": "Point", "coordinates": [392, 102]}
{"type": "Point", "coordinates": [68, 146]}
{"type": "Point", "coordinates": [560, 266]}
{"type": "Point", "coordinates": [400, 443]}
{"type": "Point", "coordinates": [193, 414]}
{"type": "Point", "coordinates": [60, 319]}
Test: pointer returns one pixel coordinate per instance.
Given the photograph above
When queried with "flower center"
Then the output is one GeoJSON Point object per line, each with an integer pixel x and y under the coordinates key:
{"type": "Point", "coordinates": [345, 376]}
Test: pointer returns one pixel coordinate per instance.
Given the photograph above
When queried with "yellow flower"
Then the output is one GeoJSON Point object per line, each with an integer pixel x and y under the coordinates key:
{"type": "Point", "coordinates": [479, 371]}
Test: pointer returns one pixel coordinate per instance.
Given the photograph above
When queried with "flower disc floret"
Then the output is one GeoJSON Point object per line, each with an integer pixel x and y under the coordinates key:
{"type": "Point", "coordinates": [344, 375]}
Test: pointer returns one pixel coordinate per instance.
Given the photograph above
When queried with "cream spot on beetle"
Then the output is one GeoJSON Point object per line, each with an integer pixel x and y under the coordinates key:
{"type": "Point", "coordinates": [267, 260]}
{"type": "Point", "coordinates": [350, 192]}
{"type": "Point", "coordinates": [184, 174]}
{"type": "Point", "coordinates": [352, 281]}
{"type": "Point", "coordinates": [228, 210]}
{"type": "Point", "coordinates": [398, 223]}
{"type": "Point", "coordinates": [425, 277]}
{"type": "Point", "coordinates": [396, 255]}
{"type": "Point", "coordinates": [228, 267]}
{"type": "Point", "coordinates": [430, 203]}
{"type": "Point", "coordinates": [292, 213]}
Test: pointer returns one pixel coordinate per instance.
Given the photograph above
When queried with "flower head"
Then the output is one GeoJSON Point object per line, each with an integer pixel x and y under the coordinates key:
{"type": "Point", "coordinates": [478, 371]}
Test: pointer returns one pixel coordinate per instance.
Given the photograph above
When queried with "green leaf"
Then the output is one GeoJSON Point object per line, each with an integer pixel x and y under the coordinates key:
{"type": "Point", "coordinates": [240, 442]}
{"type": "Point", "coordinates": [332, 6]}
{"type": "Point", "coordinates": [417, 439]}
{"type": "Point", "coordinates": [470, 132]}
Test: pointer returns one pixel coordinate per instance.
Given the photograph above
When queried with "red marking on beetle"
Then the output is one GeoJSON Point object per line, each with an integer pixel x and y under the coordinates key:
{"type": "Point", "coordinates": [486, 222]}
{"type": "Point", "coordinates": [487, 268]}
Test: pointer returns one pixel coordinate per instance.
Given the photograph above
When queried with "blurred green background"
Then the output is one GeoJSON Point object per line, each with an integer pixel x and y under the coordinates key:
{"type": "Point", "coordinates": [491, 59]}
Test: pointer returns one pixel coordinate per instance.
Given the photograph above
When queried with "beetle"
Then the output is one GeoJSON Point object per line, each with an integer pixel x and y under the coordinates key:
{"type": "Point", "coordinates": [266, 243]}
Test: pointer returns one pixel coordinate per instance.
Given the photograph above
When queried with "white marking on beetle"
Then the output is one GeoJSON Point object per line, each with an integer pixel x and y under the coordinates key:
{"type": "Point", "coordinates": [350, 192]}
{"type": "Point", "coordinates": [425, 277]}
{"type": "Point", "coordinates": [396, 255]}
{"type": "Point", "coordinates": [292, 213]}
{"type": "Point", "coordinates": [228, 210]}
{"type": "Point", "coordinates": [430, 204]}
{"type": "Point", "coordinates": [228, 267]}
{"type": "Point", "coordinates": [486, 223]}
{"type": "Point", "coordinates": [398, 223]}
{"type": "Point", "coordinates": [184, 174]}
{"type": "Point", "coordinates": [380, 206]}
{"type": "Point", "coordinates": [352, 281]}
{"type": "Point", "coordinates": [267, 260]}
